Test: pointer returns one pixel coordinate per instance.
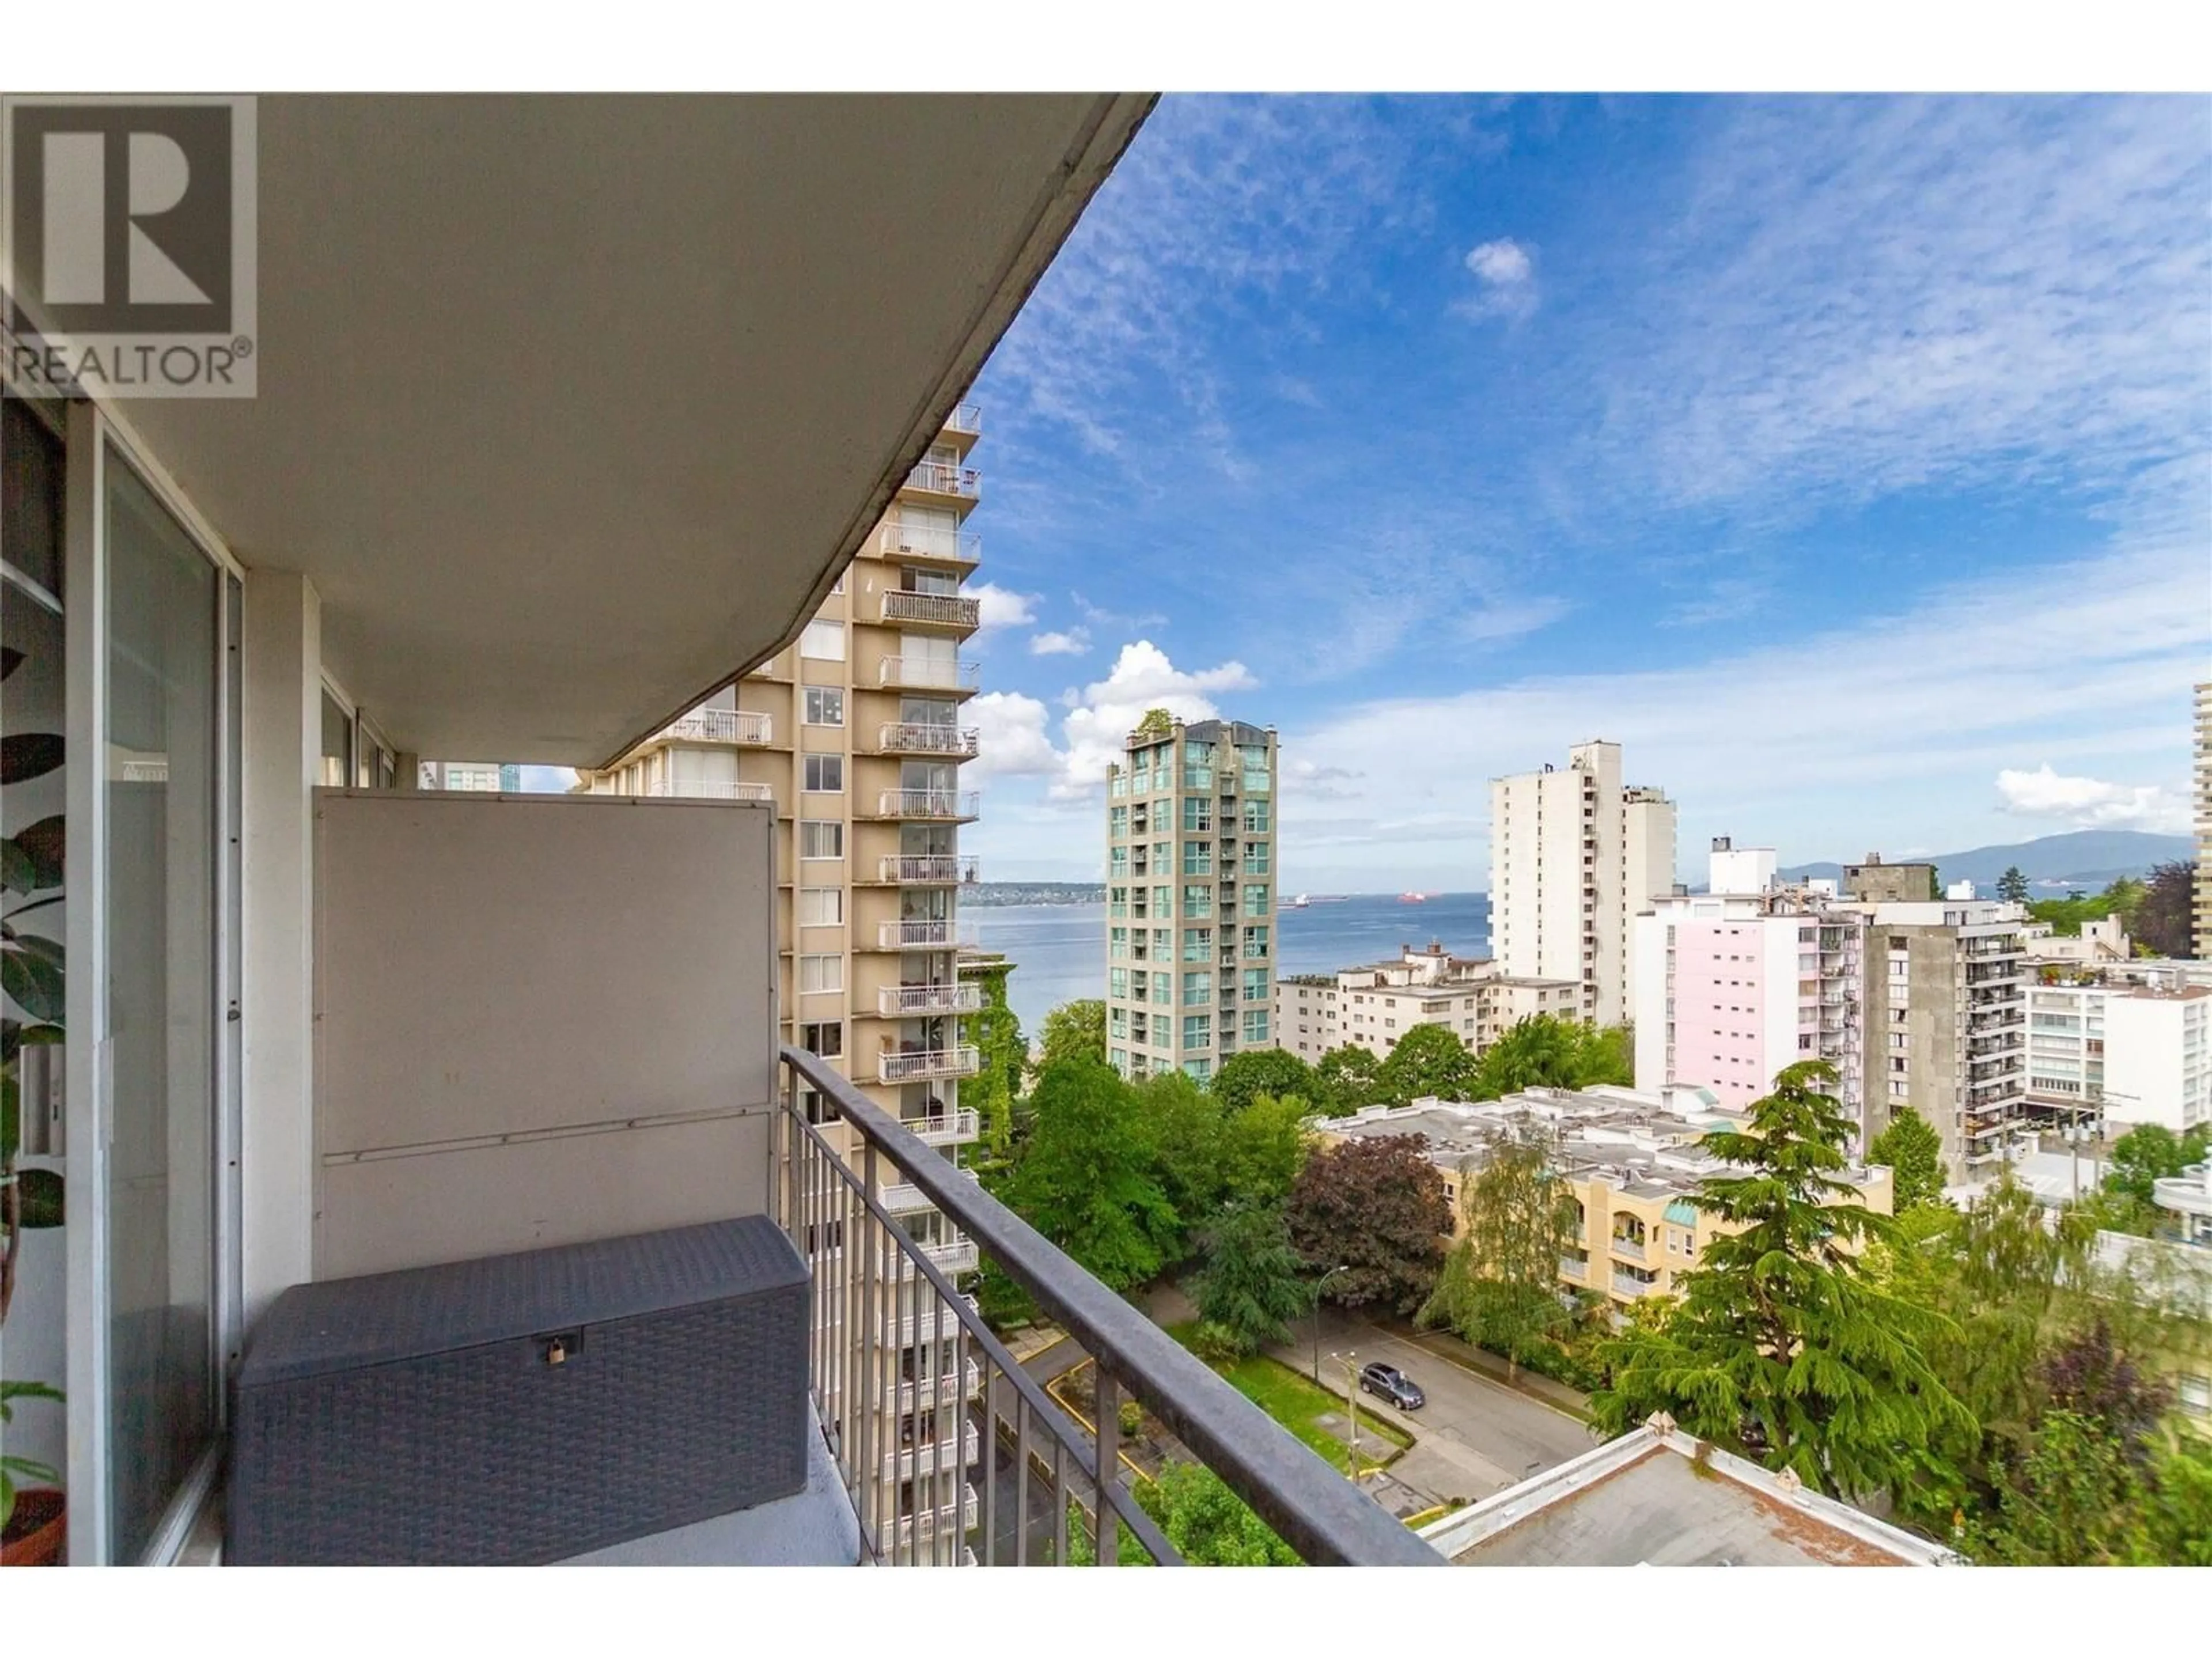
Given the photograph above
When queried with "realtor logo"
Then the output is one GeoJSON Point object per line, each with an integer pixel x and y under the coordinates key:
{"type": "Point", "coordinates": [128, 256]}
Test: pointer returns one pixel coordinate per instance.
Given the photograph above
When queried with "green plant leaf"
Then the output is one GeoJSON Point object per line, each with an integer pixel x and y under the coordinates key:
{"type": "Point", "coordinates": [27, 755]}
{"type": "Point", "coordinates": [18, 874]}
{"type": "Point", "coordinates": [43, 842]}
{"type": "Point", "coordinates": [34, 980]}
{"type": "Point", "coordinates": [39, 1197]}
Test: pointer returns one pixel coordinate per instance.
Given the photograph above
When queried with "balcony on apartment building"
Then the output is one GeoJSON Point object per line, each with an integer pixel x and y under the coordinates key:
{"type": "Point", "coordinates": [959, 612]}
{"type": "Point", "coordinates": [946, 805]}
{"type": "Point", "coordinates": [928, 674]}
{"type": "Point", "coordinates": [927, 737]}
{"type": "Point", "coordinates": [930, 546]}
{"type": "Point", "coordinates": [904, 1197]}
{"type": "Point", "coordinates": [945, 479]}
{"type": "Point", "coordinates": [721, 725]}
{"type": "Point", "coordinates": [926, 870]}
{"type": "Point", "coordinates": [934, 997]}
{"type": "Point", "coordinates": [723, 789]}
{"type": "Point", "coordinates": [903, 1065]}
{"type": "Point", "coordinates": [923, 933]}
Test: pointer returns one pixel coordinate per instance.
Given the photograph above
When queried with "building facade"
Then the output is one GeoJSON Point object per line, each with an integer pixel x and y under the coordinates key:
{"type": "Point", "coordinates": [1575, 856]}
{"type": "Point", "coordinates": [2203, 883]}
{"type": "Point", "coordinates": [1372, 1006]}
{"type": "Point", "coordinates": [1190, 898]}
{"type": "Point", "coordinates": [2122, 1053]}
{"type": "Point", "coordinates": [855, 732]}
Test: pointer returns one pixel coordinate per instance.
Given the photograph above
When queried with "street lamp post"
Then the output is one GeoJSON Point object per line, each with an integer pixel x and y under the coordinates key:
{"type": "Point", "coordinates": [1319, 1286]}
{"type": "Point", "coordinates": [1351, 1358]}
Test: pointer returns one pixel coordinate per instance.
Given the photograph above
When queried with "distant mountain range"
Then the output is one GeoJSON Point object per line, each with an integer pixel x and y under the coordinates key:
{"type": "Point", "coordinates": [2085, 858]}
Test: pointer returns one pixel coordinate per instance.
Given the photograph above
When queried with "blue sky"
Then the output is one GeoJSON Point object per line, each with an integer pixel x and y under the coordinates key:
{"type": "Point", "coordinates": [1849, 460]}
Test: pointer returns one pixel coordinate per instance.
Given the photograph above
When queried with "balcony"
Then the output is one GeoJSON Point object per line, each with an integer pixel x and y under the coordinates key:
{"type": "Point", "coordinates": [945, 479]}
{"type": "Point", "coordinates": [927, 870]}
{"type": "Point", "coordinates": [1031, 1449]}
{"type": "Point", "coordinates": [953, 611]}
{"type": "Point", "coordinates": [927, 737]}
{"type": "Point", "coordinates": [1627, 1284]}
{"type": "Point", "coordinates": [917, 674]}
{"type": "Point", "coordinates": [665, 787]}
{"type": "Point", "coordinates": [956, 1382]}
{"type": "Point", "coordinates": [945, 1129]}
{"type": "Point", "coordinates": [965, 419]}
{"type": "Point", "coordinates": [903, 1197]}
{"type": "Point", "coordinates": [945, 805]}
{"type": "Point", "coordinates": [930, 1457]}
{"type": "Point", "coordinates": [912, 1065]}
{"type": "Point", "coordinates": [1633, 1249]}
{"type": "Point", "coordinates": [1573, 1268]}
{"type": "Point", "coordinates": [922, 933]}
{"type": "Point", "coordinates": [929, 545]}
{"type": "Point", "coordinates": [938, 997]}
{"type": "Point", "coordinates": [721, 725]}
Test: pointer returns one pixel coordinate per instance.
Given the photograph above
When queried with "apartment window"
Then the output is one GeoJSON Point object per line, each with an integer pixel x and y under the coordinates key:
{"type": "Point", "coordinates": [1117, 823]}
{"type": "Point", "coordinates": [821, 838]}
{"type": "Point", "coordinates": [823, 641]}
{"type": "Point", "coordinates": [1255, 899]}
{"type": "Point", "coordinates": [338, 744]}
{"type": "Point", "coordinates": [1117, 982]}
{"type": "Point", "coordinates": [1255, 817]}
{"type": "Point", "coordinates": [824, 775]}
{"type": "Point", "coordinates": [1118, 860]}
{"type": "Point", "coordinates": [1255, 1026]}
{"type": "Point", "coordinates": [1197, 899]}
{"type": "Point", "coordinates": [1117, 902]}
{"type": "Point", "coordinates": [1198, 945]}
{"type": "Point", "coordinates": [821, 907]}
{"type": "Point", "coordinates": [1255, 941]}
{"type": "Point", "coordinates": [824, 705]}
{"type": "Point", "coordinates": [1161, 987]}
{"type": "Point", "coordinates": [1255, 858]}
{"type": "Point", "coordinates": [823, 1037]}
{"type": "Point", "coordinates": [823, 972]}
{"type": "Point", "coordinates": [1117, 1019]}
{"type": "Point", "coordinates": [1198, 814]}
{"type": "Point", "coordinates": [1197, 1031]}
{"type": "Point", "coordinates": [1197, 990]}
{"type": "Point", "coordinates": [1256, 985]}
{"type": "Point", "coordinates": [1117, 941]}
{"type": "Point", "coordinates": [1198, 1070]}
{"type": "Point", "coordinates": [1197, 858]}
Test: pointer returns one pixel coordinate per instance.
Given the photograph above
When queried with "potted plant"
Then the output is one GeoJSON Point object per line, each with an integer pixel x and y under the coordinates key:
{"type": "Point", "coordinates": [32, 1522]}
{"type": "Point", "coordinates": [32, 1519]}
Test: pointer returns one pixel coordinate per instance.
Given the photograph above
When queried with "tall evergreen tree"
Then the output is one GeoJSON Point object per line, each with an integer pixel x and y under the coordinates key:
{"type": "Point", "coordinates": [2012, 885]}
{"type": "Point", "coordinates": [1251, 1285]}
{"type": "Point", "coordinates": [1500, 1285]}
{"type": "Point", "coordinates": [1913, 1152]}
{"type": "Point", "coordinates": [1783, 1345]}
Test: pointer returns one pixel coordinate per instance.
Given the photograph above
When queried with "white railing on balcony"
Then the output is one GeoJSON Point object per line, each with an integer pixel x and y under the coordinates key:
{"type": "Point", "coordinates": [944, 610]}
{"type": "Point", "coordinates": [722, 725]}
{"type": "Point", "coordinates": [914, 541]}
{"type": "Point", "coordinates": [914, 674]}
{"type": "Point", "coordinates": [927, 737]}
{"type": "Point", "coordinates": [932, 1391]}
{"type": "Point", "coordinates": [937, 932]}
{"type": "Point", "coordinates": [965, 417]}
{"type": "Point", "coordinates": [711, 791]}
{"type": "Point", "coordinates": [1627, 1247]}
{"type": "Point", "coordinates": [900, 1196]}
{"type": "Point", "coordinates": [1630, 1285]}
{"type": "Point", "coordinates": [931, 1456]}
{"type": "Point", "coordinates": [895, 1001]}
{"type": "Point", "coordinates": [929, 803]}
{"type": "Point", "coordinates": [926, 1523]}
{"type": "Point", "coordinates": [945, 479]}
{"type": "Point", "coordinates": [904, 1065]}
{"type": "Point", "coordinates": [928, 869]}
{"type": "Point", "coordinates": [943, 1129]}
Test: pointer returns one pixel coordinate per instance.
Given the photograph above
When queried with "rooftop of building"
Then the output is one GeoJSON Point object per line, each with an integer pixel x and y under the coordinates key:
{"type": "Point", "coordinates": [1655, 1496]}
{"type": "Point", "coordinates": [1204, 731]}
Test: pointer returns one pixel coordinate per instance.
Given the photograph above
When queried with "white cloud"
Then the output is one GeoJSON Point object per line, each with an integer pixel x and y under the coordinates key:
{"type": "Point", "coordinates": [1506, 273]}
{"type": "Point", "coordinates": [1002, 607]}
{"type": "Point", "coordinates": [1073, 643]}
{"type": "Point", "coordinates": [1010, 738]}
{"type": "Point", "coordinates": [2091, 803]}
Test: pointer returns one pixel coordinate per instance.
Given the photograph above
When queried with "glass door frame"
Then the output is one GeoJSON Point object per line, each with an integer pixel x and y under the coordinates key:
{"type": "Point", "coordinates": [96, 439]}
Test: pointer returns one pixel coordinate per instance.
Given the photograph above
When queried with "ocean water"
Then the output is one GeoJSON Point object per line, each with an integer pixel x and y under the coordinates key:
{"type": "Point", "coordinates": [1058, 950]}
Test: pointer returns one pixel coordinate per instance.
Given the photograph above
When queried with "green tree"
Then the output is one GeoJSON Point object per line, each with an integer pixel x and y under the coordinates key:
{"type": "Point", "coordinates": [1262, 1148]}
{"type": "Point", "coordinates": [2124, 898]}
{"type": "Point", "coordinates": [997, 1036]}
{"type": "Point", "coordinates": [1252, 1285]}
{"type": "Point", "coordinates": [1345, 1077]}
{"type": "Point", "coordinates": [1209, 1525]}
{"type": "Point", "coordinates": [1784, 1345]}
{"type": "Point", "coordinates": [2069, 1501]}
{"type": "Point", "coordinates": [1156, 723]}
{"type": "Point", "coordinates": [1935, 883]}
{"type": "Point", "coordinates": [1085, 1179]}
{"type": "Point", "coordinates": [1375, 1206]}
{"type": "Point", "coordinates": [1913, 1152]}
{"type": "Point", "coordinates": [2012, 885]}
{"type": "Point", "coordinates": [1254, 1072]}
{"type": "Point", "coordinates": [2149, 1153]}
{"type": "Point", "coordinates": [1429, 1059]}
{"type": "Point", "coordinates": [1074, 1030]}
{"type": "Point", "coordinates": [1499, 1288]}
{"type": "Point", "coordinates": [2162, 920]}
{"type": "Point", "coordinates": [1548, 1051]}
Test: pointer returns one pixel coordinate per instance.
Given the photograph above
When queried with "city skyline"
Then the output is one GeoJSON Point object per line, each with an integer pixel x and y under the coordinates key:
{"type": "Point", "coordinates": [1842, 459]}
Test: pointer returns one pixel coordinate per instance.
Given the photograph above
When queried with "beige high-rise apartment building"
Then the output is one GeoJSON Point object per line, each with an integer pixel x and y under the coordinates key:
{"type": "Point", "coordinates": [856, 733]}
{"type": "Point", "coordinates": [1190, 898]}
{"type": "Point", "coordinates": [2202, 906]}
{"type": "Point", "coordinates": [1575, 856]}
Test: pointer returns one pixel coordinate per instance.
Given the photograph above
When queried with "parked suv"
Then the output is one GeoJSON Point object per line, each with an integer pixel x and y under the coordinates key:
{"type": "Point", "coordinates": [1393, 1385]}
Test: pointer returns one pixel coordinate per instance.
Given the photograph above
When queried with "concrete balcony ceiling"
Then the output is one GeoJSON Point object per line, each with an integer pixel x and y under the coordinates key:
{"type": "Point", "coordinates": [572, 408]}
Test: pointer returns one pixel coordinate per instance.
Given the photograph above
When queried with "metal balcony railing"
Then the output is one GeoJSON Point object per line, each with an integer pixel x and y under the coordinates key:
{"type": "Point", "coordinates": [928, 869]}
{"type": "Point", "coordinates": [958, 804]}
{"type": "Point", "coordinates": [722, 725]}
{"type": "Point", "coordinates": [933, 1456]}
{"type": "Point", "coordinates": [876, 1289]}
{"type": "Point", "coordinates": [938, 933]}
{"type": "Point", "coordinates": [943, 1129]}
{"type": "Point", "coordinates": [962, 1382]}
{"type": "Point", "coordinates": [908, 541]}
{"type": "Point", "coordinates": [965, 417]}
{"type": "Point", "coordinates": [904, 1065]}
{"type": "Point", "coordinates": [945, 479]}
{"type": "Point", "coordinates": [927, 737]}
{"type": "Point", "coordinates": [917, 674]}
{"type": "Point", "coordinates": [938, 610]}
{"type": "Point", "coordinates": [898, 1001]}
{"type": "Point", "coordinates": [664, 786]}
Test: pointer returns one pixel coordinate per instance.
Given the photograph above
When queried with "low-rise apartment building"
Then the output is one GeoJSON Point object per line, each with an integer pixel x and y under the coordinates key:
{"type": "Point", "coordinates": [1632, 1158]}
{"type": "Point", "coordinates": [2121, 1053]}
{"type": "Point", "coordinates": [1372, 1006]}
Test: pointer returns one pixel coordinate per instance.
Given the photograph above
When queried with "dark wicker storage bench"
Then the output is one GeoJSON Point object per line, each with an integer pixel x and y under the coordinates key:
{"type": "Point", "coordinates": [523, 1409]}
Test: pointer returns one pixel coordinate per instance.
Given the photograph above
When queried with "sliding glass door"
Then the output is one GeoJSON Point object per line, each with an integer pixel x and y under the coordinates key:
{"type": "Point", "coordinates": [162, 785]}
